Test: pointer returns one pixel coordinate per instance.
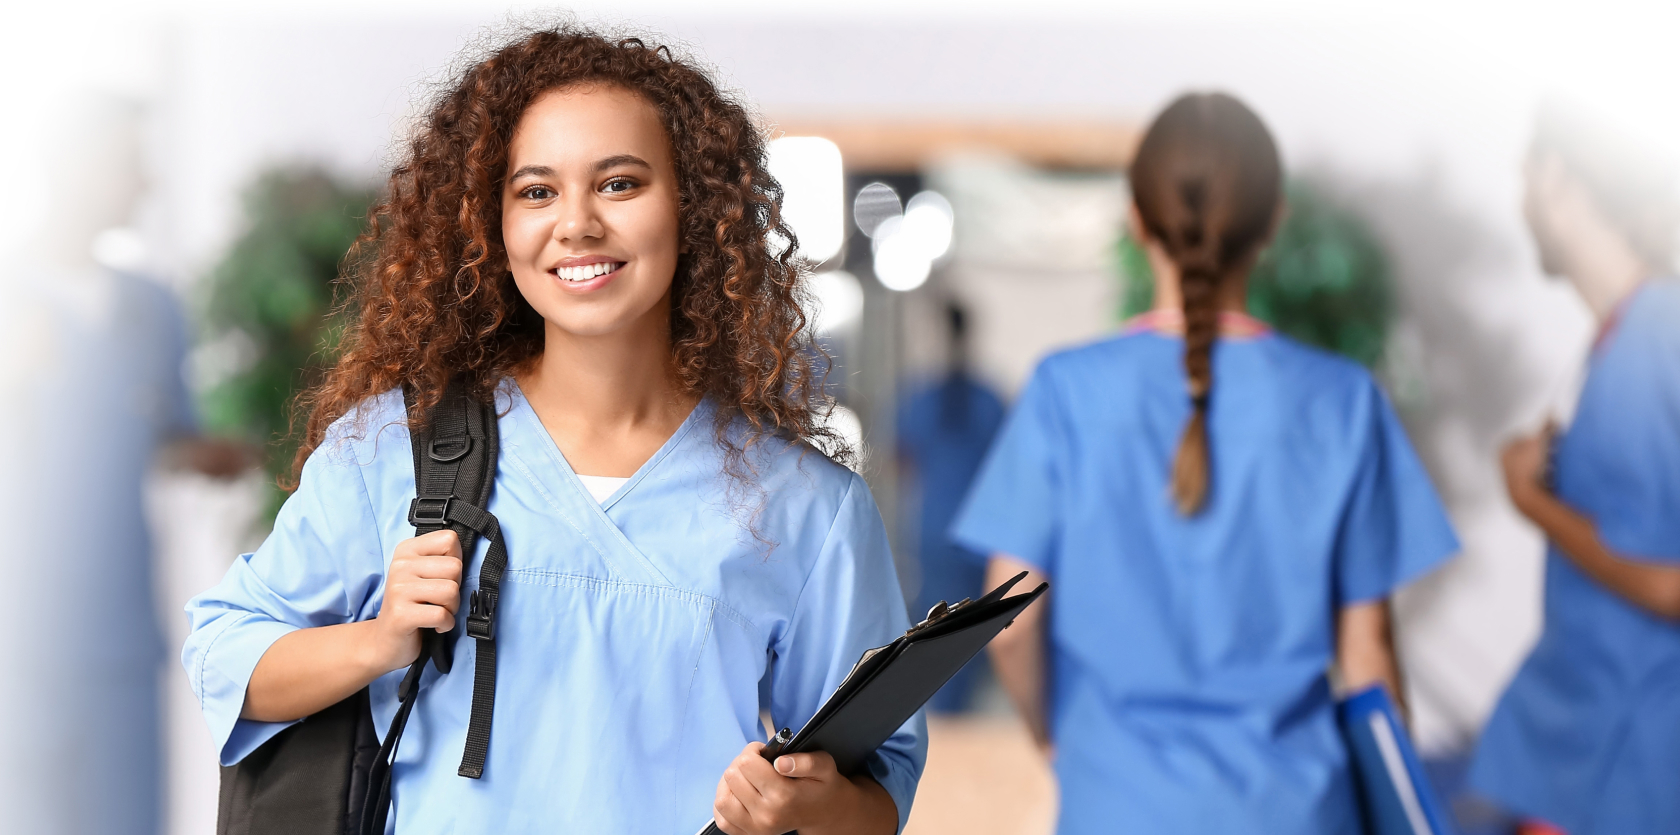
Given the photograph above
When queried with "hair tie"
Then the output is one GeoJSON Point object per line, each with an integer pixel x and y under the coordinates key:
{"type": "Point", "coordinates": [1199, 401]}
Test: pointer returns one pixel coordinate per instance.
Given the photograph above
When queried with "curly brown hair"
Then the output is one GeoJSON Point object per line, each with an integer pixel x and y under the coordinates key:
{"type": "Point", "coordinates": [434, 300]}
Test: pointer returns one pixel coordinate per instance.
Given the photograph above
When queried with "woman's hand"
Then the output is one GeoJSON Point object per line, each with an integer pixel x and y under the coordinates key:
{"type": "Point", "coordinates": [1524, 463]}
{"type": "Point", "coordinates": [800, 792]}
{"type": "Point", "coordinates": [422, 590]}
{"type": "Point", "coordinates": [311, 669]}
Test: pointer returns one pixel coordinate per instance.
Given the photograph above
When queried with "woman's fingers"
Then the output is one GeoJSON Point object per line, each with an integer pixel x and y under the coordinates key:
{"type": "Point", "coordinates": [742, 786]}
{"type": "Point", "coordinates": [730, 815]}
{"type": "Point", "coordinates": [813, 766]}
{"type": "Point", "coordinates": [442, 543]}
{"type": "Point", "coordinates": [445, 593]}
{"type": "Point", "coordinates": [431, 568]}
{"type": "Point", "coordinates": [412, 616]}
{"type": "Point", "coordinates": [756, 796]}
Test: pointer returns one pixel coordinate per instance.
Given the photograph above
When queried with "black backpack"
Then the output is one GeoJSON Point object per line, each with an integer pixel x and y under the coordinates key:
{"type": "Point", "coordinates": [330, 773]}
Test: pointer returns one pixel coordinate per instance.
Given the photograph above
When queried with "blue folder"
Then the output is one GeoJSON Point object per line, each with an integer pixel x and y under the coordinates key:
{"type": "Point", "coordinates": [1396, 797]}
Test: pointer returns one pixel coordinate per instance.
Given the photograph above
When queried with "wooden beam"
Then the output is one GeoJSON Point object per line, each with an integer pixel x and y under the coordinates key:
{"type": "Point", "coordinates": [907, 145]}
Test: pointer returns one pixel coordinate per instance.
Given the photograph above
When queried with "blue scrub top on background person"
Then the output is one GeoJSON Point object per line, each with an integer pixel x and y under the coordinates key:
{"type": "Point", "coordinates": [632, 634]}
{"type": "Point", "coordinates": [93, 373]}
{"type": "Point", "coordinates": [1188, 655]}
{"type": "Point", "coordinates": [943, 430]}
{"type": "Point", "coordinates": [1587, 737]}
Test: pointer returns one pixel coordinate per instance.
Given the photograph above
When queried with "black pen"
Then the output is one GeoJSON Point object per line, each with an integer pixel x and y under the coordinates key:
{"type": "Point", "coordinates": [773, 748]}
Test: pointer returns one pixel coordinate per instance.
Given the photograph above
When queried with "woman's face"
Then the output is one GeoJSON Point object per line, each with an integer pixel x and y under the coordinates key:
{"type": "Point", "coordinates": [589, 211]}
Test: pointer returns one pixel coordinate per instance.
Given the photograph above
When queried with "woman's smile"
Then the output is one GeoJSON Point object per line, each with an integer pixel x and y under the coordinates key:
{"type": "Point", "coordinates": [586, 273]}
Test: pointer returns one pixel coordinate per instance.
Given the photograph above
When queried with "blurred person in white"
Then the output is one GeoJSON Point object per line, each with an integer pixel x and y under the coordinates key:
{"type": "Point", "coordinates": [1586, 740]}
{"type": "Point", "coordinates": [1223, 514]}
{"type": "Point", "coordinates": [90, 367]}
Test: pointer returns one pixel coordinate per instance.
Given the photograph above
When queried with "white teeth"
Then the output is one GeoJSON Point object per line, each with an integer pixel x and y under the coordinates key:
{"type": "Point", "coordinates": [585, 272]}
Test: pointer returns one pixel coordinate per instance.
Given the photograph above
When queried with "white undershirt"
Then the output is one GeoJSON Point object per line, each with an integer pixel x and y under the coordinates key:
{"type": "Point", "coordinates": [601, 486]}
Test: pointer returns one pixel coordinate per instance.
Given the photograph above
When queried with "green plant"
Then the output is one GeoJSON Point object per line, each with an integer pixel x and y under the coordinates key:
{"type": "Point", "coordinates": [1324, 279]}
{"type": "Point", "coordinates": [268, 308]}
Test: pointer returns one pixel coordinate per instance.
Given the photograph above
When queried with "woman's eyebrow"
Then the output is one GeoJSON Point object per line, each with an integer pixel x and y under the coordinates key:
{"type": "Point", "coordinates": [602, 165]}
{"type": "Point", "coordinates": [532, 171]}
{"type": "Point", "coordinates": [621, 159]}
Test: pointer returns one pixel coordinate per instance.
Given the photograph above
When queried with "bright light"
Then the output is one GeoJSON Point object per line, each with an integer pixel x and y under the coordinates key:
{"type": "Point", "coordinates": [814, 193]}
{"type": "Point", "coordinates": [836, 301]}
{"type": "Point", "coordinates": [907, 245]}
{"type": "Point", "coordinates": [928, 219]}
{"type": "Point", "coordinates": [120, 249]}
{"type": "Point", "coordinates": [875, 203]}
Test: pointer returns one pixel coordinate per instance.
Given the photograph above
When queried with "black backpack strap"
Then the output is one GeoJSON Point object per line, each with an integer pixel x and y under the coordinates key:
{"type": "Point", "coordinates": [454, 472]}
{"type": "Point", "coordinates": [378, 804]}
{"type": "Point", "coordinates": [454, 466]}
{"type": "Point", "coordinates": [454, 462]}
{"type": "Point", "coordinates": [481, 625]}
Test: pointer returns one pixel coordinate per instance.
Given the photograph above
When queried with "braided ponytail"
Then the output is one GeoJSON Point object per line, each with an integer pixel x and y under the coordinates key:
{"type": "Point", "coordinates": [1199, 274]}
{"type": "Point", "coordinates": [1206, 181]}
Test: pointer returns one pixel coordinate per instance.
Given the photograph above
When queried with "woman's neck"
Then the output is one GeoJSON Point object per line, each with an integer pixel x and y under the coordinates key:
{"type": "Point", "coordinates": [609, 401]}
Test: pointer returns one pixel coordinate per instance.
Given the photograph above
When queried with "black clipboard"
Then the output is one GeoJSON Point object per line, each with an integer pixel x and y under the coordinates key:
{"type": "Point", "coordinates": [889, 684]}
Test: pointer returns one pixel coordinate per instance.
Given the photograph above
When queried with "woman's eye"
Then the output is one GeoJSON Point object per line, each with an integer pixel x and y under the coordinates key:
{"type": "Point", "coordinates": [537, 193]}
{"type": "Point", "coordinates": [617, 186]}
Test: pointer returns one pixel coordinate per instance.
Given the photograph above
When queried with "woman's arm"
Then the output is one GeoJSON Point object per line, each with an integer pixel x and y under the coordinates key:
{"type": "Point", "coordinates": [1365, 649]}
{"type": "Point", "coordinates": [312, 669]}
{"type": "Point", "coordinates": [1654, 588]}
{"type": "Point", "coordinates": [1017, 653]}
{"type": "Point", "coordinates": [850, 602]}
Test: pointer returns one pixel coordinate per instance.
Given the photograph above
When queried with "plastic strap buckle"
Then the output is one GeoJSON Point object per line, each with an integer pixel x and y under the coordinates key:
{"type": "Point", "coordinates": [445, 450]}
{"type": "Point", "coordinates": [429, 511]}
{"type": "Point", "coordinates": [481, 615]}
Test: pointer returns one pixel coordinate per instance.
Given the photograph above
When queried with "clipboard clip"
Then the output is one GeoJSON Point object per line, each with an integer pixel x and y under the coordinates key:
{"type": "Point", "coordinates": [942, 610]}
{"type": "Point", "coordinates": [939, 612]}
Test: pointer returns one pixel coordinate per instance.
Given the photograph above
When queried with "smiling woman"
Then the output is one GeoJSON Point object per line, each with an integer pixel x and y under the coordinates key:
{"type": "Point", "coordinates": [584, 234]}
{"type": "Point", "coordinates": [461, 205]}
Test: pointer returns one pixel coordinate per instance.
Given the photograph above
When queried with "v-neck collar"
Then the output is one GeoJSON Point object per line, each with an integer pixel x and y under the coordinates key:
{"type": "Point", "coordinates": [522, 410]}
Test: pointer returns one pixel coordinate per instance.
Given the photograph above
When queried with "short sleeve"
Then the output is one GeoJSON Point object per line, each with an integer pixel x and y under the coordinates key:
{"type": "Point", "coordinates": [1393, 527]}
{"type": "Point", "coordinates": [323, 564]}
{"type": "Point", "coordinates": [1014, 504]}
{"type": "Point", "coordinates": [851, 602]}
{"type": "Point", "coordinates": [1644, 520]}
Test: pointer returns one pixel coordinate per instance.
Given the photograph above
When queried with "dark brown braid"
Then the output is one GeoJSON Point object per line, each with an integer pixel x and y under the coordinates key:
{"type": "Point", "coordinates": [1206, 181]}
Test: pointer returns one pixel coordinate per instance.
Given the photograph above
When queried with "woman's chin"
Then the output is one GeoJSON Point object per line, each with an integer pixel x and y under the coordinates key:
{"type": "Point", "coordinates": [603, 324]}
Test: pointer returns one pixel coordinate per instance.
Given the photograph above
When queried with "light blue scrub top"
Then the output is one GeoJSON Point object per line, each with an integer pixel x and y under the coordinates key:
{"type": "Point", "coordinates": [631, 635]}
{"type": "Point", "coordinates": [1188, 688]}
{"type": "Point", "coordinates": [94, 387]}
{"type": "Point", "coordinates": [1587, 737]}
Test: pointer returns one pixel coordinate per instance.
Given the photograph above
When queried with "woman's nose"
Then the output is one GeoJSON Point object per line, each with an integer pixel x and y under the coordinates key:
{"type": "Point", "coordinates": [578, 220]}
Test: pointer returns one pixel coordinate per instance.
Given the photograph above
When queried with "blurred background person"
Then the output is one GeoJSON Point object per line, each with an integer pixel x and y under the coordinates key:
{"type": "Point", "coordinates": [92, 361]}
{"type": "Point", "coordinates": [1587, 738]}
{"type": "Point", "coordinates": [943, 429]}
{"type": "Point", "coordinates": [1222, 513]}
